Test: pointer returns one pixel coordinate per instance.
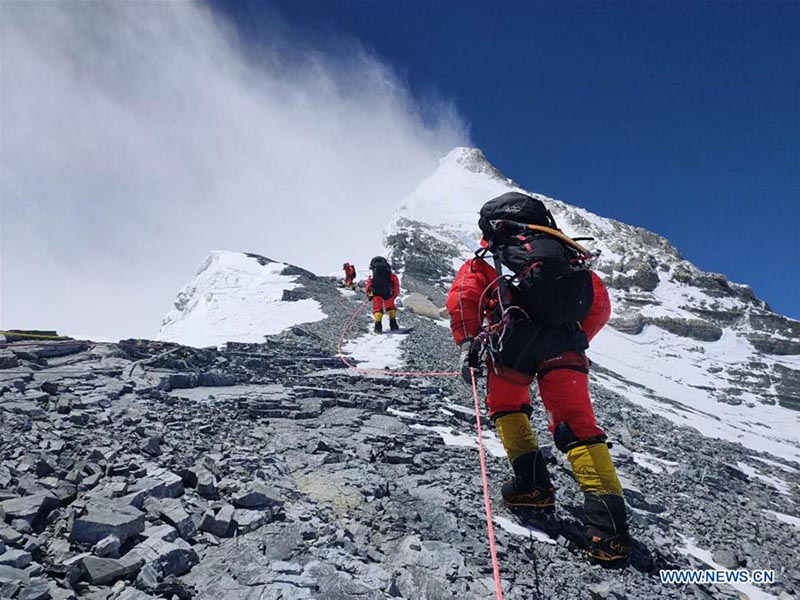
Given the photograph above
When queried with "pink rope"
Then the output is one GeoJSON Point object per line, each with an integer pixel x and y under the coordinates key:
{"type": "Point", "coordinates": [498, 588]}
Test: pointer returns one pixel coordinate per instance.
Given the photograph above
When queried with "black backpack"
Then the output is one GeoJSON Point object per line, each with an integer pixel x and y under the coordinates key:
{"type": "Point", "coordinates": [552, 280]}
{"type": "Point", "coordinates": [381, 277]}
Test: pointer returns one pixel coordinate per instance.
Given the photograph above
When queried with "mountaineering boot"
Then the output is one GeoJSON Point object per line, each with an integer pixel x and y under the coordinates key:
{"type": "Point", "coordinates": [609, 550]}
{"type": "Point", "coordinates": [393, 319]}
{"type": "Point", "coordinates": [607, 526]}
{"type": "Point", "coordinates": [378, 327]}
{"type": "Point", "coordinates": [378, 316]}
{"type": "Point", "coordinates": [604, 504]}
{"type": "Point", "coordinates": [530, 487]}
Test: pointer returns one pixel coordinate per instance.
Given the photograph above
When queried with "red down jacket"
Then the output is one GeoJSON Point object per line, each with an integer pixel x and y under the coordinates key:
{"type": "Point", "coordinates": [476, 283]}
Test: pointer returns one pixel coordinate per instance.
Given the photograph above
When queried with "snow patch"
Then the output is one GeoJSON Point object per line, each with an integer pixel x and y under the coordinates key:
{"type": "Point", "coordinates": [235, 297]}
{"type": "Point", "coordinates": [523, 530]}
{"type": "Point", "coordinates": [450, 437]}
{"type": "Point", "coordinates": [775, 482]}
{"type": "Point", "coordinates": [402, 413]}
{"type": "Point", "coordinates": [653, 463]}
{"type": "Point", "coordinates": [784, 518]}
{"type": "Point", "coordinates": [376, 351]}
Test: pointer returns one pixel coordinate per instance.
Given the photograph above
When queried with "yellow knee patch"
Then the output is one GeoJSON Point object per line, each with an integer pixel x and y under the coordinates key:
{"type": "Point", "coordinates": [594, 469]}
{"type": "Point", "coordinates": [392, 313]}
{"type": "Point", "coordinates": [516, 434]}
{"type": "Point", "coordinates": [378, 316]}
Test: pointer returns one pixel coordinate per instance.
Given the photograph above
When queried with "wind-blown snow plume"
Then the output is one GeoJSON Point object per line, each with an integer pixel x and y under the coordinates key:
{"type": "Point", "coordinates": [137, 136]}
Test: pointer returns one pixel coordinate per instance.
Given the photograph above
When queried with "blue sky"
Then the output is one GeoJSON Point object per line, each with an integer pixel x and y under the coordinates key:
{"type": "Point", "coordinates": [681, 117]}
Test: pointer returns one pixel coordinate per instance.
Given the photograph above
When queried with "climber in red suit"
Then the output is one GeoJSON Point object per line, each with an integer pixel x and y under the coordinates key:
{"type": "Point", "coordinates": [383, 287]}
{"type": "Point", "coordinates": [553, 355]}
{"type": "Point", "coordinates": [349, 276]}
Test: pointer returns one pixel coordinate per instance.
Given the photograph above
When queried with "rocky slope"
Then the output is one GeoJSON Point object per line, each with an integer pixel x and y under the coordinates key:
{"type": "Point", "coordinates": [263, 468]}
{"type": "Point", "coordinates": [151, 470]}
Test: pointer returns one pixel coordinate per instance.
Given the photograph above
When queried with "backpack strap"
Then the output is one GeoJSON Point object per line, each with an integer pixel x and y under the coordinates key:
{"type": "Point", "coordinates": [502, 283]}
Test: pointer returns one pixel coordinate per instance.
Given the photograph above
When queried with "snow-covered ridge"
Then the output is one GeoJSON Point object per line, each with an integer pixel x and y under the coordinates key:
{"type": "Point", "coordinates": [236, 297]}
{"type": "Point", "coordinates": [694, 346]}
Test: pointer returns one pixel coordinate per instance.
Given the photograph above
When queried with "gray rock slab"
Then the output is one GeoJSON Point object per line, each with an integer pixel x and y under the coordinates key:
{"type": "Point", "coordinates": [258, 495]}
{"type": "Point", "coordinates": [110, 519]}
{"type": "Point", "coordinates": [170, 558]}
{"type": "Point", "coordinates": [162, 532]}
{"type": "Point", "coordinates": [398, 458]}
{"type": "Point", "coordinates": [159, 483]}
{"type": "Point", "coordinates": [172, 511]}
{"type": "Point", "coordinates": [147, 579]}
{"type": "Point", "coordinates": [207, 484]}
{"type": "Point", "coordinates": [37, 589]}
{"type": "Point", "coordinates": [18, 559]}
{"type": "Point", "coordinates": [57, 593]}
{"type": "Point", "coordinates": [150, 446]}
{"type": "Point", "coordinates": [9, 535]}
{"type": "Point", "coordinates": [108, 547]}
{"type": "Point", "coordinates": [250, 520]}
{"type": "Point", "coordinates": [101, 571]}
{"type": "Point", "coordinates": [29, 508]}
{"type": "Point", "coordinates": [12, 574]}
{"type": "Point", "coordinates": [221, 524]}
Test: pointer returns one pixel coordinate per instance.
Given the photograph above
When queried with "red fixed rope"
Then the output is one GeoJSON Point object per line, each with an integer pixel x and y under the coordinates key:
{"type": "Point", "coordinates": [382, 371]}
{"type": "Point", "coordinates": [498, 588]}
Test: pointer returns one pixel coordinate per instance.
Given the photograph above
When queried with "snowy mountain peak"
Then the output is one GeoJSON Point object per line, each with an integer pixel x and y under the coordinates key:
{"type": "Point", "coordinates": [473, 160]}
{"type": "Point", "coordinates": [452, 195]}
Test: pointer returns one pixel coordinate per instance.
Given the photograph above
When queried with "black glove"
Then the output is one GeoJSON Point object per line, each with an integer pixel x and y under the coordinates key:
{"type": "Point", "coordinates": [470, 359]}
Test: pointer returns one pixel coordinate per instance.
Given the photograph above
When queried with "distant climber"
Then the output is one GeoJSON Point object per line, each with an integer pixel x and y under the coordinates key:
{"type": "Point", "coordinates": [349, 276]}
{"type": "Point", "coordinates": [382, 288]}
{"type": "Point", "coordinates": [536, 324]}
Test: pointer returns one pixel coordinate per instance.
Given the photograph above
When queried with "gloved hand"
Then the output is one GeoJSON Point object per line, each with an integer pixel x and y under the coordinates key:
{"type": "Point", "coordinates": [370, 294]}
{"type": "Point", "coordinates": [470, 359]}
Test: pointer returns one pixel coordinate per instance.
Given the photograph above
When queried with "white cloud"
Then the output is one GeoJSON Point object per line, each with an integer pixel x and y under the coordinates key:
{"type": "Point", "coordinates": [137, 136]}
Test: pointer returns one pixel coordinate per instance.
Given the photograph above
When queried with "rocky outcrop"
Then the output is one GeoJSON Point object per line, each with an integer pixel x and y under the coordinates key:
{"type": "Point", "coordinates": [695, 329]}
{"type": "Point", "coordinates": [636, 272]}
{"type": "Point", "coordinates": [787, 384]}
{"type": "Point", "coordinates": [715, 284]}
{"type": "Point", "coordinates": [419, 255]}
{"type": "Point", "coordinates": [775, 345]}
{"type": "Point", "coordinates": [632, 323]}
{"type": "Point", "coordinates": [420, 305]}
{"type": "Point", "coordinates": [774, 323]}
